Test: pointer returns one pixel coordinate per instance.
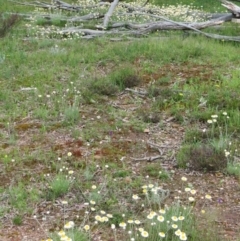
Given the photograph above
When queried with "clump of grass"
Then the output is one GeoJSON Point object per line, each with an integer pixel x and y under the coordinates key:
{"type": "Point", "coordinates": [125, 78]}
{"type": "Point", "coordinates": [233, 168]}
{"type": "Point", "coordinates": [102, 86]}
{"type": "Point", "coordinates": [164, 93]}
{"type": "Point", "coordinates": [152, 170]}
{"type": "Point", "coordinates": [58, 187]}
{"type": "Point", "coordinates": [71, 115]}
{"type": "Point", "coordinates": [149, 116]}
{"type": "Point", "coordinates": [207, 158]}
{"type": "Point", "coordinates": [206, 150]}
{"type": "Point", "coordinates": [7, 23]}
{"type": "Point", "coordinates": [18, 197]}
{"type": "Point", "coordinates": [164, 175]}
{"type": "Point", "coordinates": [121, 173]}
{"type": "Point", "coordinates": [17, 220]}
{"type": "Point", "coordinates": [202, 157]}
{"type": "Point", "coordinates": [195, 135]}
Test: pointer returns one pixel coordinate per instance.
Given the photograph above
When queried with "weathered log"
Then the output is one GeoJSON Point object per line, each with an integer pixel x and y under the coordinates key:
{"type": "Point", "coordinates": [109, 13]}
{"type": "Point", "coordinates": [158, 21]}
{"type": "Point", "coordinates": [233, 8]}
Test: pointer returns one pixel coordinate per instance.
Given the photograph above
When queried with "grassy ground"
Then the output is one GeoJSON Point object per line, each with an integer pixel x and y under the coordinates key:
{"type": "Point", "coordinates": [81, 121]}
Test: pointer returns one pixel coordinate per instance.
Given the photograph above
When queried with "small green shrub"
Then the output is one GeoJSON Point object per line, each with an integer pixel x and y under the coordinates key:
{"type": "Point", "coordinates": [71, 115]}
{"type": "Point", "coordinates": [59, 186]}
{"type": "Point", "coordinates": [183, 155]}
{"type": "Point", "coordinates": [125, 78]}
{"type": "Point", "coordinates": [233, 168]}
{"type": "Point", "coordinates": [121, 173]}
{"type": "Point", "coordinates": [152, 170]}
{"type": "Point", "coordinates": [163, 175]}
{"type": "Point", "coordinates": [195, 136]}
{"type": "Point", "coordinates": [103, 86]}
{"type": "Point", "coordinates": [202, 157]}
{"type": "Point", "coordinates": [149, 116]}
{"type": "Point", "coordinates": [17, 220]}
{"type": "Point", "coordinates": [18, 197]}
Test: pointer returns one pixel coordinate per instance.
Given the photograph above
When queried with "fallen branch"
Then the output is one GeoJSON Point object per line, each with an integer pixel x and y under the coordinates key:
{"type": "Point", "coordinates": [151, 158]}
{"type": "Point", "coordinates": [127, 28]}
{"type": "Point", "coordinates": [109, 13]}
{"type": "Point", "coordinates": [142, 93]}
{"type": "Point", "coordinates": [148, 159]}
{"type": "Point", "coordinates": [233, 8]}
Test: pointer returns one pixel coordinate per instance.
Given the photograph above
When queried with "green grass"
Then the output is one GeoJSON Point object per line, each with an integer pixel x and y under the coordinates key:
{"type": "Point", "coordinates": [70, 133]}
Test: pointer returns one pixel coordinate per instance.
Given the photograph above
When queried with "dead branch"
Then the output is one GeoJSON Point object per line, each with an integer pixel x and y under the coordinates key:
{"type": "Point", "coordinates": [233, 8]}
{"type": "Point", "coordinates": [65, 6]}
{"type": "Point", "coordinates": [141, 93]}
{"type": "Point", "coordinates": [151, 158]}
{"type": "Point", "coordinates": [83, 31]}
{"type": "Point", "coordinates": [148, 159]}
{"type": "Point", "coordinates": [109, 13]}
{"type": "Point", "coordinates": [128, 28]}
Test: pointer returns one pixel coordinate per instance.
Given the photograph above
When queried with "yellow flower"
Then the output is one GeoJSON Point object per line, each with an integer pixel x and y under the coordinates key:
{"type": "Point", "coordinates": [191, 199]}
{"type": "Point", "coordinates": [70, 172]}
{"type": "Point", "coordinates": [181, 218]}
{"type": "Point", "coordinates": [208, 197]}
{"type": "Point", "coordinates": [86, 227]}
{"type": "Point", "coordinates": [187, 189]}
{"type": "Point", "coordinates": [144, 191]}
{"type": "Point", "coordinates": [150, 216]}
{"type": "Point", "coordinates": [69, 225]}
{"type": "Point", "coordinates": [160, 218]}
{"type": "Point", "coordinates": [135, 197]}
{"type": "Point", "coordinates": [178, 232]}
{"type": "Point", "coordinates": [184, 179]}
{"type": "Point", "coordinates": [174, 218]}
{"type": "Point", "coordinates": [105, 219]}
{"type": "Point", "coordinates": [162, 211]}
{"type": "Point", "coordinates": [174, 226]}
{"type": "Point", "coordinates": [161, 234]}
{"type": "Point", "coordinates": [144, 234]}
{"type": "Point", "coordinates": [64, 238]}
{"type": "Point", "coordinates": [113, 226]}
{"type": "Point", "coordinates": [94, 186]}
{"type": "Point", "coordinates": [183, 236]}
{"type": "Point", "coordinates": [69, 154]}
{"type": "Point", "coordinates": [137, 222]}
{"type": "Point", "coordinates": [98, 218]}
{"type": "Point", "coordinates": [61, 233]}
{"type": "Point", "coordinates": [109, 215]}
{"type": "Point", "coordinates": [193, 192]}
{"type": "Point", "coordinates": [122, 225]}
{"type": "Point", "coordinates": [202, 211]}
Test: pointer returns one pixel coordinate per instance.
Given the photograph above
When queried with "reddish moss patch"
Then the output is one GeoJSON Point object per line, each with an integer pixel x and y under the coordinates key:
{"type": "Point", "coordinates": [185, 71]}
